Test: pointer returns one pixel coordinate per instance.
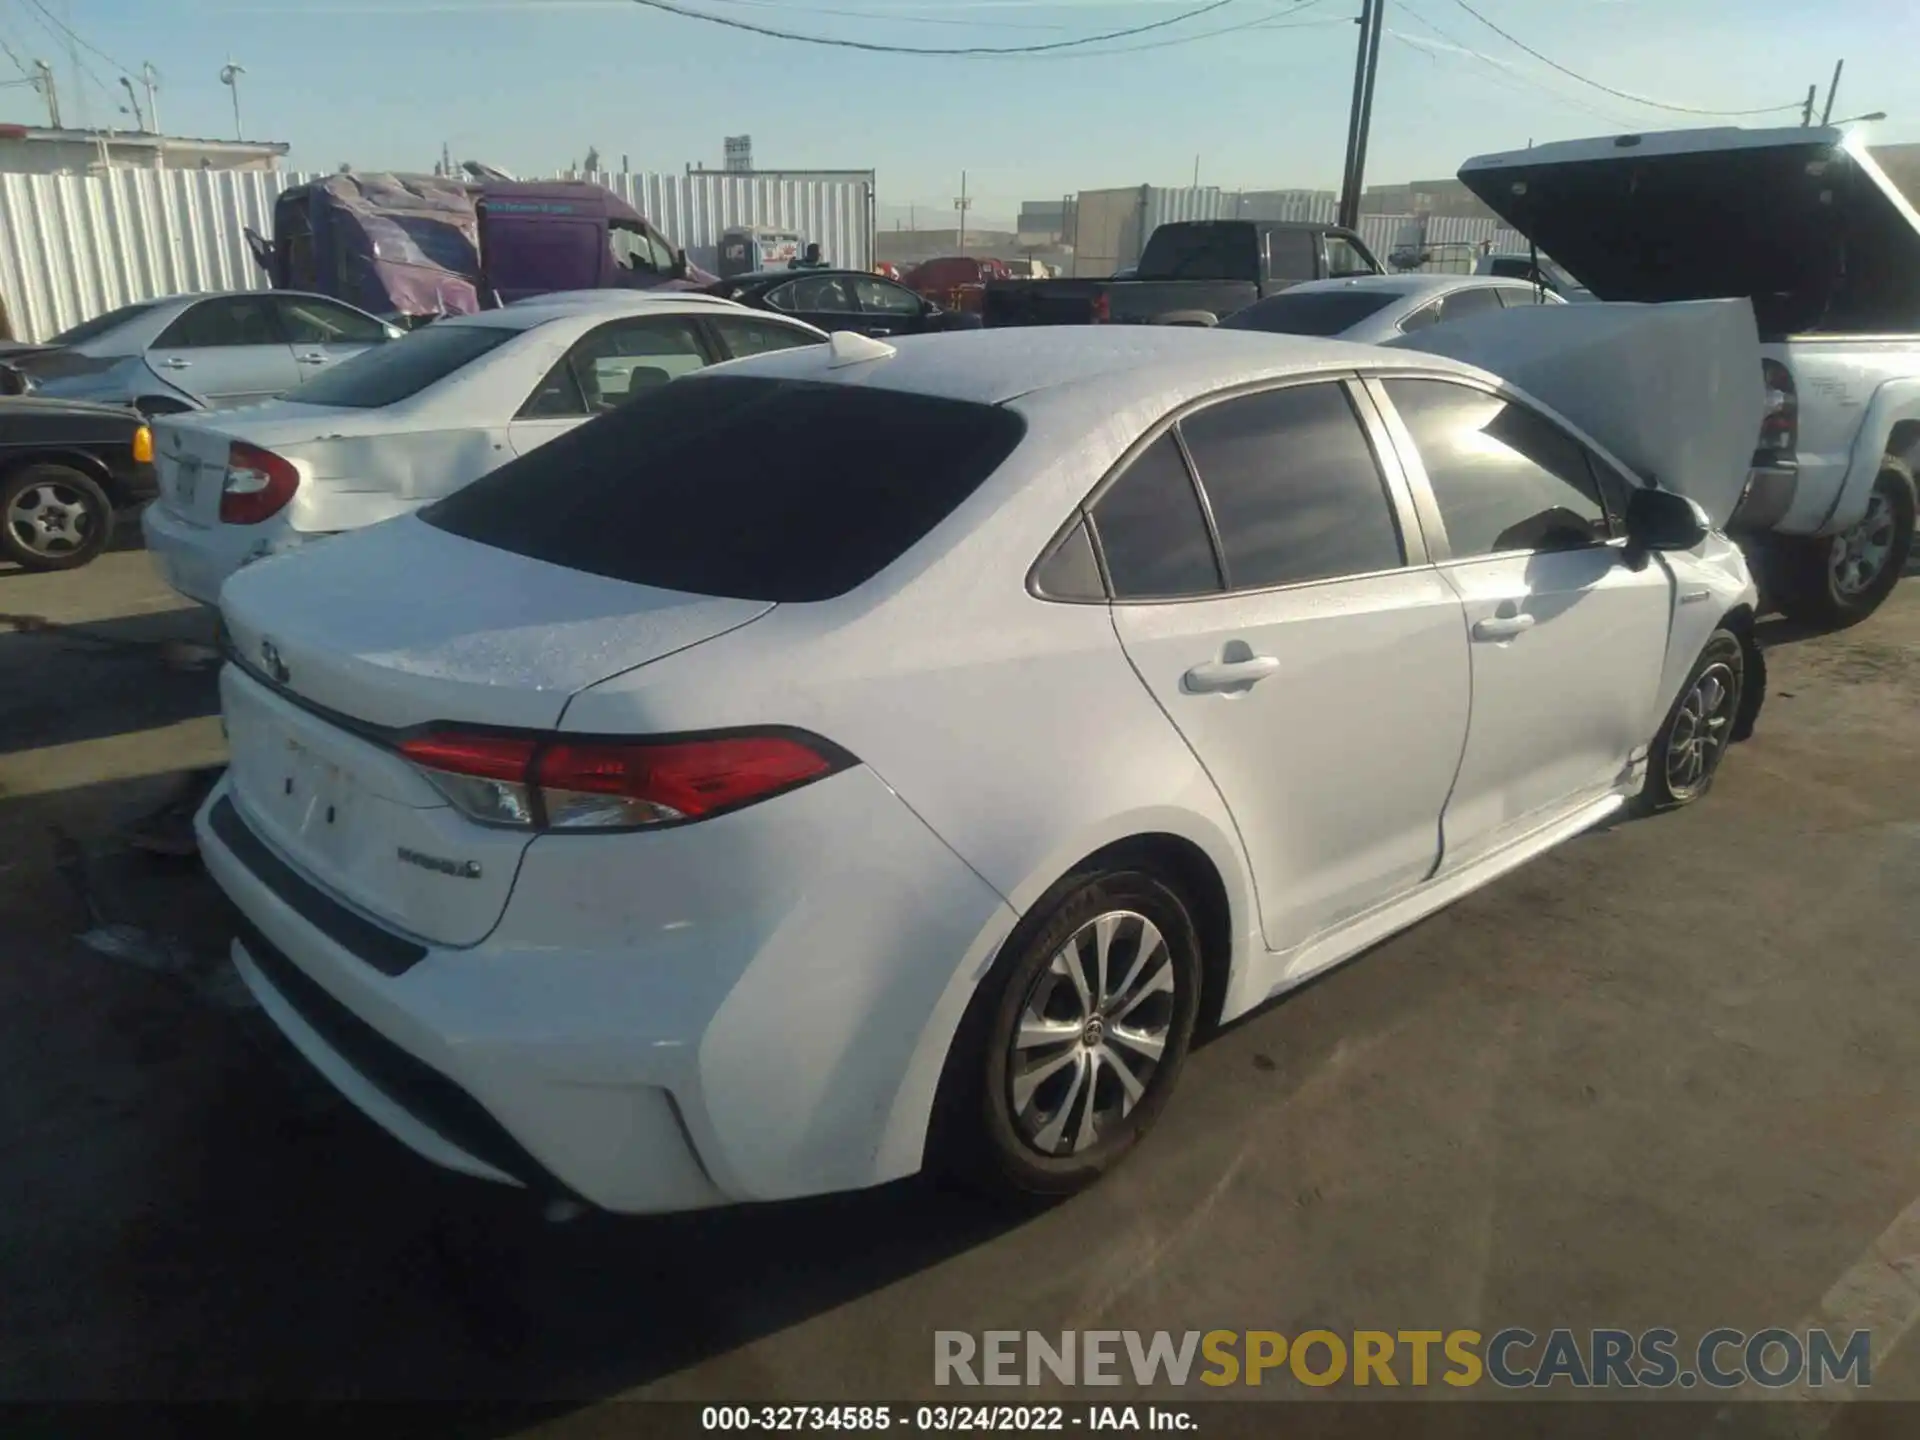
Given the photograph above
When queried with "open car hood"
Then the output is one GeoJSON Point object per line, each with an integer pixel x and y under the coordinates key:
{"type": "Point", "coordinates": [1674, 392]}
{"type": "Point", "coordinates": [1801, 221]}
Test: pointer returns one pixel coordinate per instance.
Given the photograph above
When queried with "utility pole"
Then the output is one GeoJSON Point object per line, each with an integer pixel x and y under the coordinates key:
{"type": "Point", "coordinates": [1832, 90]}
{"type": "Point", "coordinates": [1366, 66]}
{"type": "Point", "coordinates": [1196, 172]}
{"type": "Point", "coordinates": [150, 78]}
{"type": "Point", "coordinates": [962, 204]}
{"type": "Point", "coordinates": [45, 86]}
{"type": "Point", "coordinates": [1806, 111]}
{"type": "Point", "coordinates": [230, 74]}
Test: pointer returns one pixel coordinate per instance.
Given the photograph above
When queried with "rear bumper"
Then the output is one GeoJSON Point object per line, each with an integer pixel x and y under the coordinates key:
{"type": "Point", "coordinates": [194, 560]}
{"type": "Point", "coordinates": [1767, 499]}
{"type": "Point", "coordinates": [659, 1022]}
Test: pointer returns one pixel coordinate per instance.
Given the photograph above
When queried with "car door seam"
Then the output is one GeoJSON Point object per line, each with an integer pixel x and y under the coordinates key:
{"type": "Point", "coordinates": [1466, 734]}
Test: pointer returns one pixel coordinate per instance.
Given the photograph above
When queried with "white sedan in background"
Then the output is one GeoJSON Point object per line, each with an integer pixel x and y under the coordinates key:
{"type": "Point", "coordinates": [1373, 309]}
{"type": "Point", "coordinates": [395, 428]}
{"type": "Point", "coordinates": [881, 755]}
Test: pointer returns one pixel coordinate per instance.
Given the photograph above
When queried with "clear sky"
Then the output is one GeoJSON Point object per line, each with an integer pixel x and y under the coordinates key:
{"type": "Point", "coordinates": [1257, 90]}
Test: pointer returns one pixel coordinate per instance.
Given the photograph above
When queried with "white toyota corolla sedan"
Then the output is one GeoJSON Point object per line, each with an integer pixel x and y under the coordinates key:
{"type": "Point", "coordinates": [869, 756]}
{"type": "Point", "coordinates": [397, 427]}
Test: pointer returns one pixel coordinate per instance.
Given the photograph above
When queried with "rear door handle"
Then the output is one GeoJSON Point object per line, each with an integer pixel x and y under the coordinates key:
{"type": "Point", "coordinates": [1502, 627]}
{"type": "Point", "coordinates": [1228, 677]}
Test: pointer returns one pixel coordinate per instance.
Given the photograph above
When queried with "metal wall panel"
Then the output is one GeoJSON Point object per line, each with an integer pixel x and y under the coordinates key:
{"type": "Point", "coordinates": [76, 246]}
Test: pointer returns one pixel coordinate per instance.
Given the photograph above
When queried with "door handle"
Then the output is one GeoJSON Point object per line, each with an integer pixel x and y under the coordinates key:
{"type": "Point", "coordinates": [311, 359]}
{"type": "Point", "coordinates": [174, 362]}
{"type": "Point", "coordinates": [1502, 627]}
{"type": "Point", "coordinates": [1228, 677]}
{"type": "Point", "coordinates": [880, 330]}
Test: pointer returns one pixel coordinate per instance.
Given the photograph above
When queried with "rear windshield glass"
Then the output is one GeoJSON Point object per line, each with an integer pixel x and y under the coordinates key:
{"type": "Point", "coordinates": [742, 486]}
{"type": "Point", "coordinates": [402, 368]}
{"type": "Point", "coordinates": [100, 324]}
{"type": "Point", "coordinates": [1207, 250]}
{"type": "Point", "coordinates": [1314, 312]}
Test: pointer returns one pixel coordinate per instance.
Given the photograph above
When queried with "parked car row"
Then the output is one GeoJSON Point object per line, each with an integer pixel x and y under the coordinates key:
{"type": "Point", "coordinates": [676, 783]}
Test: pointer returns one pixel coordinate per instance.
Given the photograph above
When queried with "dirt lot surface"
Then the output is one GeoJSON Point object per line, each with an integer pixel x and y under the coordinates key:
{"type": "Point", "coordinates": [1665, 1077]}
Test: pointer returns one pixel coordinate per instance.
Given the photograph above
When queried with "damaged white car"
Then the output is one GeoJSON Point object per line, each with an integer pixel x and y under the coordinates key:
{"type": "Point", "coordinates": [706, 808]}
{"type": "Point", "coordinates": [392, 429]}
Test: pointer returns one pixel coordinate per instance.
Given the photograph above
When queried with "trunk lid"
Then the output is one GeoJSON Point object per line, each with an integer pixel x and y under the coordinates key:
{"type": "Point", "coordinates": [1801, 221]}
{"type": "Point", "coordinates": [400, 626]}
{"type": "Point", "coordinates": [190, 464]}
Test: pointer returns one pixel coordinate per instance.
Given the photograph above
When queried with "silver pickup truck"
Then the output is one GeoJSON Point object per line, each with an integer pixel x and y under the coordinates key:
{"type": "Point", "coordinates": [1806, 225]}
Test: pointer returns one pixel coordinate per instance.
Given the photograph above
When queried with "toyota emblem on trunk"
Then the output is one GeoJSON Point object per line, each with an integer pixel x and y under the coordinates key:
{"type": "Point", "coordinates": [276, 667]}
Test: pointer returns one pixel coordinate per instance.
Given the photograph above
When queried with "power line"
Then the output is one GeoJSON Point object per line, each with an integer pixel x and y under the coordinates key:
{"type": "Point", "coordinates": [1509, 78]}
{"type": "Point", "coordinates": [877, 47]}
{"type": "Point", "coordinates": [1277, 21]}
{"type": "Point", "coordinates": [18, 63]}
{"type": "Point", "coordinates": [894, 17]}
{"type": "Point", "coordinates": [79, 39]}
{"type": "Point", "coordinates": [1622, 94]}
{"type": "Point", "coordinates": [85, 70]}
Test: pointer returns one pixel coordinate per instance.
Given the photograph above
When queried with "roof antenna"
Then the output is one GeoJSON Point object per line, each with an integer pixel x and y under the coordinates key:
{"type": "Point", "coordinates": [849, 348]}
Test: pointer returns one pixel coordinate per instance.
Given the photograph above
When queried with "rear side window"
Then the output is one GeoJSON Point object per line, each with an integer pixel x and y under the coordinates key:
{"type": "Point", "coordinates": [1152, 531]}
{"type": "Point", "coordinates": [1475, 301]}
{"type": "Point", "coordinates": [742, 486]}
{"type": "Point", "coordinates": [1309, 312]}
{"type": "Point", "coordinates": [401, 369]}
{"type": "Point", "coordinates": [1206, 250]}
{"type": "Point", "coordinates": [1295, 491]}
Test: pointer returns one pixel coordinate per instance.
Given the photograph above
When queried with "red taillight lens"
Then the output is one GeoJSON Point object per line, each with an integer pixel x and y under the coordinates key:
{"type": "Point", "coordinates": [1780, 427]}
{"type": "Point", "coordinates": [257, 487]}
{"type": "Point", "coordinates": [1102, 310]}
{"type": "Point", "coordinates": [566, 784]}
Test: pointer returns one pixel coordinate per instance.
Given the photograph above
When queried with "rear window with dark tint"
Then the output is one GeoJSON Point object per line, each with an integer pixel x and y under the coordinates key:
{"type": "Point", "coordinates": [401, 369]}
{"type": "Point", "coordinates": [1314, 312]}
{"type": "Point", "coordinates": [741, 486]}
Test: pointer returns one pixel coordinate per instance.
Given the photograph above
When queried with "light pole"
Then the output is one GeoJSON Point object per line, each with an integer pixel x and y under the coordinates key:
{"type": "Point", "coordinates": [962, 204]}
{"type": "Point", "coordinates": [44, 84]}
{"type": "Point", "coordinates": [230, 74]}
{"type": "Point", "coordinates": [139, 120]}
{"type": "Point", "coordinates": [150, 78]}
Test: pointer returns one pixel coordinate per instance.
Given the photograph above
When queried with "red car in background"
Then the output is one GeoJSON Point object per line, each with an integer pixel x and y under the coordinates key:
{"type": "Point", "coordinates": [956, 282]}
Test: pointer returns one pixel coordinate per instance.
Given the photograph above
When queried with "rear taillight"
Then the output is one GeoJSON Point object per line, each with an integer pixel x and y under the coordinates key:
{"type": "Point", "coordinates": [1780, 428]}
{"type": "Point", "coordinates": [1102, 310]}
{"type": "Point", "coordinates": [558, 782]}
{"type": "Point", "coordinates": [257, 487]}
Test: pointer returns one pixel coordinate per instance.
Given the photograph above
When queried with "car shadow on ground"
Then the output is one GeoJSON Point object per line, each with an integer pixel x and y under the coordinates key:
{"type": "Point", "coordinates": [195, 1214]}
{"type": "Point", "coordinates": [134, 672]}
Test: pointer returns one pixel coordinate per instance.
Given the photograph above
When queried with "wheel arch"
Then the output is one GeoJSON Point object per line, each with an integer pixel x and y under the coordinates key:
{"type": "Point", "coordinates": [1740, 622]}
{"type": "Point", "coordinates": [89, 465]}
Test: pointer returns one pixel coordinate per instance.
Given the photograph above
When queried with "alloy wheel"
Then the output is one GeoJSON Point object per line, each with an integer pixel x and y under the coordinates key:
{"type": "Point", "coordinates": [49, 519]}
{"type": "Point", "coordinates": [1860, 554]}
{"type": "Point", "coordinates": [1701, 729]}
{"type": "Point", "coordinates": [1091, 1033]}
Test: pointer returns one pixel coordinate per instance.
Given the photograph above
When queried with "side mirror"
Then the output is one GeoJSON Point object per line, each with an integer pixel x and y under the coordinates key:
{"type": "Point", "coordinates": [1664, 520]}
{"type": "Point", "coordinates": [394, 332]}
{"type": "Point", "coordinates": [680, 266]}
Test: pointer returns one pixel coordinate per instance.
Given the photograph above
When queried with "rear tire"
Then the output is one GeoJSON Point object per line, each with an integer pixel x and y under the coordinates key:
{"type": "Point", "coordinates": [1687, 751]}
{"type": "Point", "coordinates": [1049, 1085]}
{"type": "Point", "coordinates": [1836, 581]}
{"type": "Point", "coordinates": [53, 517]}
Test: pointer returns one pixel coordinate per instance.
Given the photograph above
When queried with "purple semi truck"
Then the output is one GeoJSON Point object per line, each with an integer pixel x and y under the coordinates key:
{"type": "Point", "coordinates": [412, 248]}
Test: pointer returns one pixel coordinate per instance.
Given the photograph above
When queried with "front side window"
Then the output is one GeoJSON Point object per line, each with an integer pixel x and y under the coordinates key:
{"type": "Point", "coordinates": [1344, 258]}
{"type": "Point", "coordinates": [882, 297]}
{"type": "Point", "coordinates": [1295, 491]}
{"type": "Point", "coordinates": [635, 248]}
{"type": "Point", "coordinates": [1152, 532]}
{"type": "Point", "coordinates": [230, 320]}
{"type": "Point", "coordinates": [310, 321]}
{"type": "Point", "coordinates": [1505, 477]}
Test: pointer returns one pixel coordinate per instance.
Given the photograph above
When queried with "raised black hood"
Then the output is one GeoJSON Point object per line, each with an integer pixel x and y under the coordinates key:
{"type": "Point", "coordinates": [1800, 221]}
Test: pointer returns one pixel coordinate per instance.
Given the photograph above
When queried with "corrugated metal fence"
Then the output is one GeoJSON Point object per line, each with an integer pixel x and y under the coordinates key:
{"type": "Point", "coordinates": [76, 246]}
{"type": "Point", "coordinates": [1113, 225]}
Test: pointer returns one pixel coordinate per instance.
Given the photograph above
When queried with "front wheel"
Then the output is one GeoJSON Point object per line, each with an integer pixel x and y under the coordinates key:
{"type": "Point", "coordinates": [1686, 754]}
{"type": "Point", "coordinates": [1075, 1038]}
{"type": "Point", "coordinates": [53, 517]}
{"type": "Point", "coordinates": [1839, 581]}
